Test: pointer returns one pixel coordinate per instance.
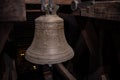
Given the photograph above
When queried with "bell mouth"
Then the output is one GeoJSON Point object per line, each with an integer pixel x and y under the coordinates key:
{"type": "Point", "coordinates": [49, 59]}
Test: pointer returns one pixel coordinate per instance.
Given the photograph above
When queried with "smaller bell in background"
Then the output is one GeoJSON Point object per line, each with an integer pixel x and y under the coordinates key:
{"type": "Point", "coordinates": [49, 45]}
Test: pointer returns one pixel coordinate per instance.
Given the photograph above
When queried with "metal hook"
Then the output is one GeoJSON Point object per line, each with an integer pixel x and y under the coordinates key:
{"type": "Point", "coordinates": [49, 6]}
{"type": "Point", "coordinates": [46, 5]}
{"type": "Point", "coordinates": [43, 5]}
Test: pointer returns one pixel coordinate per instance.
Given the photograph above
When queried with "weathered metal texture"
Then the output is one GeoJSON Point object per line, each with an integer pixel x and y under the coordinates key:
{"type": "Point", "coordinates": [109, 10]}
{"type": "Point", "coordinates": [12, 10]}
{"type": "Point", "coordinates": [49, 45]}
{"type": "Point", "coordinates": [56, 1]}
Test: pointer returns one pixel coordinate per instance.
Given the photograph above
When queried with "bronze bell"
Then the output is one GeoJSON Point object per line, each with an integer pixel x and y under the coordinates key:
{"type": "Point", "coordinates": [49, 45]}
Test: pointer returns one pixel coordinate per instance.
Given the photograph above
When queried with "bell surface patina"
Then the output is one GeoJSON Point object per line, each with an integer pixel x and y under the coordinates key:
{"type": "Point", "coordinates": [49, 45]}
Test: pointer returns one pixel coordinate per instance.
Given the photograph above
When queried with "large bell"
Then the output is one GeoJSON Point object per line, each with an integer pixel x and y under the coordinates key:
{"type": "Point", "coordinates": [49, 45]}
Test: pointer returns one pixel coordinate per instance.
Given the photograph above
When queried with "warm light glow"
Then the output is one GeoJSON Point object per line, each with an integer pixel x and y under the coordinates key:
{"type": "Point", "coordinates": [22, 54]}
{"type": "Point", "coordinates": [34, 67]}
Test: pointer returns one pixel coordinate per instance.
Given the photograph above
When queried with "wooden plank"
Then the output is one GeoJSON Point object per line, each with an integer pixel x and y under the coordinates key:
{"type": "Point", "coordinates": [12, 10]}
{"type": "Point", "coordinates": [33, 10]}
{"type": "Point", "coordinates": [108, 10]}
{"type": "Point", "coordinates": [67, 2]}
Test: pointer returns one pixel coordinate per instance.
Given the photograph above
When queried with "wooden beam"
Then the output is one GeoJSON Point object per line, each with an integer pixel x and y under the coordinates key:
{"type": "Point", "coordinates": [13, 10]}
{"type": "Point", "coordinates": [108, 10]}
{"type": "Point", "coordinates": [10, 68]}
{"type": "Point", "coordinates": [67, 2]}
{"type": "Point", "coordinates": [5, 29]}
{"type": "Point", "coordinates": [65, 72]}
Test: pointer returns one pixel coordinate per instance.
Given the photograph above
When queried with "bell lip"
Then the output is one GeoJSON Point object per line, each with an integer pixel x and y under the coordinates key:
{"type": "Point", "coordinates": [50, 61]}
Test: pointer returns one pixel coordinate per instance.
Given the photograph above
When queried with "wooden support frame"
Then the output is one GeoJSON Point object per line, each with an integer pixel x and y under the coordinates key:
{"type": "Point", "coordinates": [12, 11]}
{"type": "Point", "coordinates": [108, 10]}
{"type": "Point", "coordinates": [67, 2]}
{"type": "Point", "coordinates": [64, 72]}
{"type": "Point", "coordinates": [5, 29]}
